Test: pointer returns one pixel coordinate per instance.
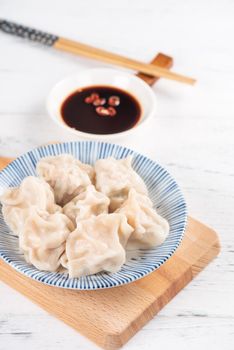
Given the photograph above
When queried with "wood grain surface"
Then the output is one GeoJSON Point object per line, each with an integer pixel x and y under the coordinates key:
{"type": "Point", "coordinates": [4, 161]}
{"type": "Point", "coordinates": [111, 317]}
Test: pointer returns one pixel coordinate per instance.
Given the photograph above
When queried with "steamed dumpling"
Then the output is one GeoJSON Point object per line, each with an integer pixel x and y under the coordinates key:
{"type": "Point", "coordinates": [66, 175]}
{"type": "Point", "coordinates": [82, 236]}
{"type": "Point", "coordinates": [86, 204]}
{"type": "Point", "coordinates": [115, 177]}
{"type": "Point", "coordinates": [88, 169]}
{"type": "Point", "coordinates": [97, 245]}
{"type": "Point", "coordinates": [17, 202]}
{"type": "Point", "coordinates": [43, 237]}
{"type": "Point", "coordinates": [32, 191]}
{"type": "Point", "coordinates": [150, 229]}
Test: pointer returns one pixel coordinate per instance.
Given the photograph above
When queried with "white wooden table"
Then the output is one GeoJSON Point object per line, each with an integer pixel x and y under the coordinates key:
{"type": "Point", "coordinates": [192, 136]}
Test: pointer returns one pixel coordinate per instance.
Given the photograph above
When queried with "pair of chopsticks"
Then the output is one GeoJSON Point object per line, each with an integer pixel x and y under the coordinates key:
{"type": "Point", "coordinates": [90, 52]}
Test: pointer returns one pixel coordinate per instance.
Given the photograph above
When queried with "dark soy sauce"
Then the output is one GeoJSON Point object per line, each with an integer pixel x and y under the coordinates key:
{"type": "Point", "coordinates": [83, 116]}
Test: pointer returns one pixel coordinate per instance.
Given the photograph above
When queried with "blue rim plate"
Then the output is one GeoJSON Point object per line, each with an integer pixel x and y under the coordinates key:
{"type": "Point", "coordinates": [163, 191]}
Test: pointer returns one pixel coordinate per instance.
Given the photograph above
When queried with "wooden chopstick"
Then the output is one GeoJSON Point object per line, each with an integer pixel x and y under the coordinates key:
{"type": "Point", "coordinates": [90, 52]}
{"type": "Point", "coordinates": [115, 59]}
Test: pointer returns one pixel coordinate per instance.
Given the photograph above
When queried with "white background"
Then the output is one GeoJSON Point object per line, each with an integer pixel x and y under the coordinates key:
{"type": "Point", "coordinates": [192, 136]}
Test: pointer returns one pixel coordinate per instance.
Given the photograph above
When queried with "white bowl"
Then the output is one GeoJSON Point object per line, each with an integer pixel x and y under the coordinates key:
{"type": "Point", "coordinates": [101, 76]}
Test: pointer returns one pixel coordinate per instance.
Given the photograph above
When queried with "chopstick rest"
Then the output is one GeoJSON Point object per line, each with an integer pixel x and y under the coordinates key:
{"type": "Point", "coordinates": [90, 52]}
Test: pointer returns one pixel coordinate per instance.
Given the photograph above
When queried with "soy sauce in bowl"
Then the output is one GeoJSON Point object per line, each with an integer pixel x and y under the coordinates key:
{"type": "Point", "coordinates": [101, 110]}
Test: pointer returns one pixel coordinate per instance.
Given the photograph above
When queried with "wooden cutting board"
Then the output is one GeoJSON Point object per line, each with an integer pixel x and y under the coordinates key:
{"type": "Point", "coordinates": [110, 317]}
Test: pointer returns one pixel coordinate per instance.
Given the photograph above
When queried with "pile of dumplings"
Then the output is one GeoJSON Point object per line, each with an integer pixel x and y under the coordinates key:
{"type": "Point", "coordinates": [82, 218]}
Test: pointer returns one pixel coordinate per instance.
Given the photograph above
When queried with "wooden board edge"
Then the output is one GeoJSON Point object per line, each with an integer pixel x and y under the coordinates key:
{"type": "Point", "coordinates": [116, 341]}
